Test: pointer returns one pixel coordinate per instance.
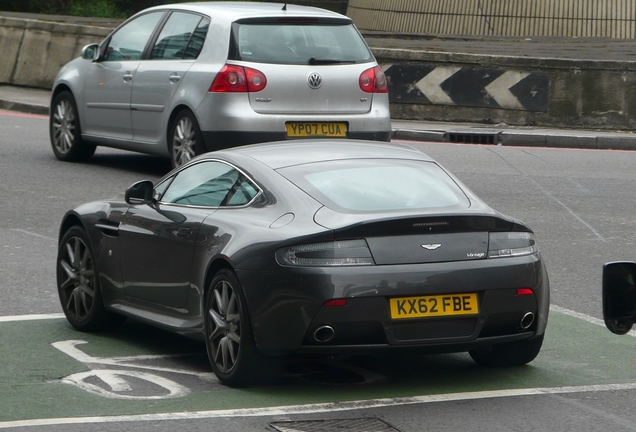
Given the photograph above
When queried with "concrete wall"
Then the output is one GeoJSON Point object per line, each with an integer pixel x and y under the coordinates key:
{"type": "Point", "coordinates": [33, 51]}
{"type": "Point", "coordinates": [580, 18]}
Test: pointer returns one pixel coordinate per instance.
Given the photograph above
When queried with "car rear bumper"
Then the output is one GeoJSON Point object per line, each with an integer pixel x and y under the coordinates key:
{"type": "Point", "coordinates": [287, 308]}
{"type": "Point", "coordinates": [228, 120]}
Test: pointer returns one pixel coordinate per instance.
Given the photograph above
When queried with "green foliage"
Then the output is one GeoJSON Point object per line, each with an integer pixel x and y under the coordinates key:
{"type": "Point", "coordinates": [87, 8]}
{"type": "Point", "coordinates": [96, 8]}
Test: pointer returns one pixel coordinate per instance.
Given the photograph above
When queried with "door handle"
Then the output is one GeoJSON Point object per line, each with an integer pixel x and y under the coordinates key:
{"type": "Point", "coordinates": [128, 76]}
{"type": "Point", "coordinates": [174, 78]}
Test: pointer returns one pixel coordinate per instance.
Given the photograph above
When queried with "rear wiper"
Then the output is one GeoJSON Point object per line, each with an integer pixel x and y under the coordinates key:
{"type": "Point", "coordinates": [315, 61]}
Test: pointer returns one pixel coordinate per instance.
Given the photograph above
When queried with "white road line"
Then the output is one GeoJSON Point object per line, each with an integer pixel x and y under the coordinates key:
{"type": "Point", "coordinates": [30, 317]}
{"type": "Point", "coordinates": [578, 315]}
{"type": "Point", "coordinates": [324, 407]}
{"type": "Point", "coordinates": [584, 317]}
{"type": "Point", "coordinates": [31, 233]}
{"type": "Point", "coordinates": [320, 408]}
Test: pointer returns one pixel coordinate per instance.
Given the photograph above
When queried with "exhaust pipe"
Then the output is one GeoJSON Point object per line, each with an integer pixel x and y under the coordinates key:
{"type": "Point", "coordinates": [324, 334]}
{"type": "Point", "coordinates": [526, 321]}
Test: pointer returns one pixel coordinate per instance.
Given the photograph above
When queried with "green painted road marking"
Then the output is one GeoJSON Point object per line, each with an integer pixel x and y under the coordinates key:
{"type": "Point", "coordinates": [575, 353]}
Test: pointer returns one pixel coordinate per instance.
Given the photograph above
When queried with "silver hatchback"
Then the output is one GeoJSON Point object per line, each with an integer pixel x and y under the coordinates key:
{"type": "Point", "coordinates": [180, 80]}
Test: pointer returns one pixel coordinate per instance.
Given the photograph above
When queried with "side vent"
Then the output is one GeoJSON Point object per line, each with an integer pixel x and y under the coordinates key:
{"type": "Point", "coordinates": [108, 228]}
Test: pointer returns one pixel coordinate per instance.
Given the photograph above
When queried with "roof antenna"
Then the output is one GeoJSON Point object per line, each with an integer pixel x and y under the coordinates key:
{"type": "Point", "coordinates": [284, 7]}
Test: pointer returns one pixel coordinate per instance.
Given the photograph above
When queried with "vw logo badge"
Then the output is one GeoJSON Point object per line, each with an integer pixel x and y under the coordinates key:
{"type": "Point", "coordinates": [314, 80]}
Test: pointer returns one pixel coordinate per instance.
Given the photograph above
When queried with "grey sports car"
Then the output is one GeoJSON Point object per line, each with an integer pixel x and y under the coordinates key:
{"type": "Point", "coordinates": [179, 80]}
{"type": "Point", "coordinates": [332, 247]}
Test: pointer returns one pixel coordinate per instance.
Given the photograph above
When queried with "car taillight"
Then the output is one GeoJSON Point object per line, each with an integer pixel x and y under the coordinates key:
{"type": "Point", "coordinates": [511, 244]}
{"type": "Point", "coordinates": [524, 291]}
{"type": "Point", "coordinates": [238, 79]}
{"type": "Point", "coordinates": [256, 80]}
{"type": "Point", "coordinates": [373, 81]}
{"type": "Point", "coordinates": [338, 253]}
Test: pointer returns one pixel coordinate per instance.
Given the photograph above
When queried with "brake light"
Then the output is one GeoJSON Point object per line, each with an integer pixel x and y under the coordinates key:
{"type": "Point", "coordinates": [373, 81]}
{"type": "Point", "coordinates": [524, 291]}
{"type": "Point", "coordinates": [238, 79]}
{"type": "Point", "coordinates": [511, 244]}
{"type": "Point", "coordinates": [298, 20]}
{"type": "Point", "coordinates": [329, 254]}
{"type": "Point", "coordinates": [256, 80]}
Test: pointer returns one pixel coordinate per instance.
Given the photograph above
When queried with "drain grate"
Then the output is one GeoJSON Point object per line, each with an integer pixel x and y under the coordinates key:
{"type": "Point", "coordinates": [349, 425]}
{"type": "Point", "coordinates": [474, 137]}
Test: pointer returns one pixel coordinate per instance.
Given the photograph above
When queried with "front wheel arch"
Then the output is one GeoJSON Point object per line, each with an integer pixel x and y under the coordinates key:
{"type": "Point", "coordinates": [78, 284]}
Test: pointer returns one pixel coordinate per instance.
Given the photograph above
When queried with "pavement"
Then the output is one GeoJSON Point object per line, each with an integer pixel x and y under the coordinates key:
{"type": "Point", "coordinates": [36, 101]}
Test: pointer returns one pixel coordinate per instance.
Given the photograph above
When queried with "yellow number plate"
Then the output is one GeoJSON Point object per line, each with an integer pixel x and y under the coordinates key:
{"type": "Point", "coordinates": [307, 130]}
{"type": "Point", "coordinates": [433, 306]}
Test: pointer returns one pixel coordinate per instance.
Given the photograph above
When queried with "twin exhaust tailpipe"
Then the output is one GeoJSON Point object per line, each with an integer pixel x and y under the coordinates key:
{"type": "Point", "coordinates": [526, 321]}
{"type": "Point", "coordinates": [325, 333]}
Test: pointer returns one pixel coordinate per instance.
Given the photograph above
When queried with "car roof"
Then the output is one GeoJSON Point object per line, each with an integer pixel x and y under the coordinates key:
{"type": "Point", "coordinates": [233, 11]}
{"type": "Point", "coordinates": [287, 153]}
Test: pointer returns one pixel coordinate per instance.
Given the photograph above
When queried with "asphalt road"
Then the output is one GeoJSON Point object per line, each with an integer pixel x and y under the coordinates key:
{"type": "Point", "coordinates": [579, 202]}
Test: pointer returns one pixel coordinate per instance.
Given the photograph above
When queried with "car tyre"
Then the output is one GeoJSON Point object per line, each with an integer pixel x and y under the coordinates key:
{"type": "Point", "coordinates": [78, 285]}
{"type": "Point", "coordinates": [228, 334]}
{"type": "Point", "coordinates": [508, 354]}
{"type": "Point", "coordinates": [186, 140]}
{"type": "Point", "coordinates": [65, 131]}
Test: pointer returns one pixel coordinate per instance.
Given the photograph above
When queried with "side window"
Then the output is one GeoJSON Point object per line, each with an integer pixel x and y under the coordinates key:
{"type": "Point", "coordinates": [210, 184]}
{"type": "Point", "coordinates": [181, 31]}
{"type": "Point", "coordinates": [129, 41]}
{"type": "Point", "coordinates": [161, 188]}
{"type": "Point", "coordinates": [196, 42]}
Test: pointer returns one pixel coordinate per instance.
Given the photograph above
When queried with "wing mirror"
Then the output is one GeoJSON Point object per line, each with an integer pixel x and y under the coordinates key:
{"type": "Point", "coordinates": [619, 296]}
{"type": "Point", "coordinates": [140, 193]}
{"type": "Point", "coordinates": [90, 52]}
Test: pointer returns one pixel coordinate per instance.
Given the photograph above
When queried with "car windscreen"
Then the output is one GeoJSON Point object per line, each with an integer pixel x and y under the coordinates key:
{"type": "Point", "coordinates": [298, 43]}
{"type": "Point", "coordinates": [377, 185]}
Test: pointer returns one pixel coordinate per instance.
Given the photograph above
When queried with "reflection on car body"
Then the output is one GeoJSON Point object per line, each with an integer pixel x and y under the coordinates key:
{"type": "Point", "coordinates": [273, 249]}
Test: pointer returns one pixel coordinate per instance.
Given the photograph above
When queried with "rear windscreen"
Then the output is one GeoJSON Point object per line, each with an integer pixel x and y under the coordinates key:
{"type": "Point", "coordinates": [298, 43]}
{"type": "Point", "coordinates": [368, 185]}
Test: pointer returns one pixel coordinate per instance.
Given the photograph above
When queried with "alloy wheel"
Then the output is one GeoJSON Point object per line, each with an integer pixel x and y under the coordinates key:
{"type": "Point", "coordinates": [78, 289]}
{"type": "Point", "coordinates": [224, 337]}
{"type": "Point", "coordinates": [64, 125]}
{"type": "Point", "coordinates": [183, 141]}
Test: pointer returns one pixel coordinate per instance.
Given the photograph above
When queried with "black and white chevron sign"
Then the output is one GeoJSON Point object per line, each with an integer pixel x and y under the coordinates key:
{"type": "Point", "coordinates": [467, 86]}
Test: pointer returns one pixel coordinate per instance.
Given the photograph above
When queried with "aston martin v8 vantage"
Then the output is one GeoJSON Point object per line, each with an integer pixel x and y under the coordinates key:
{"type": "Point", "coordinates": [333, 247]}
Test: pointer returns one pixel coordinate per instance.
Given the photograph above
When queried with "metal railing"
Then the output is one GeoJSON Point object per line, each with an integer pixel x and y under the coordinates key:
{"type": "Point", "coordinates": [565, 18]}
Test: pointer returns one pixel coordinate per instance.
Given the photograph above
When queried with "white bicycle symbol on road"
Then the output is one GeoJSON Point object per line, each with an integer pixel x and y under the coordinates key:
{"type": "Point", "coordinates": [130, 383]}
{"type": "Point", "coordinates": [133, 378]}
